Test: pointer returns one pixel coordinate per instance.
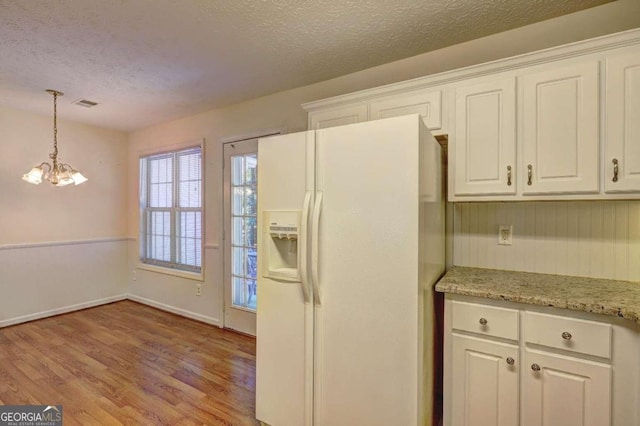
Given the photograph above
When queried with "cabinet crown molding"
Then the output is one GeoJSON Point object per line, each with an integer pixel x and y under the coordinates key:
{"type": "Point", "coordinates": [566, 51]}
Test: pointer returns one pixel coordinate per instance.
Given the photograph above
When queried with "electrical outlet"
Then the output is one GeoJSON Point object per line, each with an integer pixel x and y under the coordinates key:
{"type": "Point", "coordinates": [134, 275]}
{"type": "Point", "coordinates": [504, 234]}
{"type": "Point", "coordinates": [198, 289]}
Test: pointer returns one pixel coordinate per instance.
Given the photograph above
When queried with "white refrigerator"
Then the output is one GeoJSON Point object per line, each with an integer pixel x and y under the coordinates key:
{"type": "Point", "coordinates": [351, 243]}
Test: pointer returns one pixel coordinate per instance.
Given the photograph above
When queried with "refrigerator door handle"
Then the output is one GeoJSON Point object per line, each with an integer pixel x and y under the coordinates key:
{"type": "Point", "coordinates": [315, 231]}
{"type": "Point", "coordinates": [304, 274]}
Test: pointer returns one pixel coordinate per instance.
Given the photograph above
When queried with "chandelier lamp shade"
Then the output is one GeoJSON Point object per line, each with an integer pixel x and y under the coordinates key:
{"type": "Point", "coordinates": [56, 172]}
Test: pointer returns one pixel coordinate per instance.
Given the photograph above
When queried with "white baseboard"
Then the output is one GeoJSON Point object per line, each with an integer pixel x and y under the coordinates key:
{"type": "Point", "coordinates": [104, 301]}
{"type": "Point", "coordinates": [63, 310]}
{"type": "Point", "coordinates": [174, 310]}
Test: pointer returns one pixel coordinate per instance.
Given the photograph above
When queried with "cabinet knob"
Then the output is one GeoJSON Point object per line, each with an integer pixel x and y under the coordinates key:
{"type": "Point", "coordinates": [510, 361]}
{"type": "Point", "coordinates": [615, 170]}
{"type": "Point", "coordinates": [566, 335]}
{"type": "Point", "coordinates": [483, 321]}
{"type": "Point", "coordinates": [529, 174]}
{"type": "Point", "coordinates": [535, 367]}
{"type": "Point", "coordinates": [508, 175]}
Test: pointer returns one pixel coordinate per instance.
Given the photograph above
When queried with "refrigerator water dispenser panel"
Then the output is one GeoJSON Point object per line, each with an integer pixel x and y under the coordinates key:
{"type": "Point", "coordinates": [282, 232]}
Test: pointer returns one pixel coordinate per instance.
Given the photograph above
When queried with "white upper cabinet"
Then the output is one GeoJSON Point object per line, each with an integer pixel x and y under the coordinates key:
{"type": "Point", "coordinates": [485, 138]}
{"type": "Point", "coordinates": [559, 124]}
{"type": "Point", "coordinates": [338, 117]}
{"type": "Point", "coordinates": [560, 130]}
{"type": "Point", "coordinates": [622, 143]}
{"type": "Point", "coordinates": [424, 102]}
{"type": "Point", "coordinates": [427, 103]}
{"type": "Point", "coordinates": [559, 150]}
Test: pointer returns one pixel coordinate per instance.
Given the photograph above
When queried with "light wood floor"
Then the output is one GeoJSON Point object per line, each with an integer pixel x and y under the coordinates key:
{"type": "Point", "coordinates": [126, 363]}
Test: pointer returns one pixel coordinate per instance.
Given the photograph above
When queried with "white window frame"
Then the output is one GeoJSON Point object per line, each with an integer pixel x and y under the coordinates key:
{"type": "Point", "coordinates": [172, 267]}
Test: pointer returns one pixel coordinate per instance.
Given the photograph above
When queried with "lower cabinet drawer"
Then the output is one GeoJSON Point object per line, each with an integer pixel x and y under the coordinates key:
{"type": "Point", "coordinates": [570, 334]}
{"type": "Point", "coordinates": [485, 320]}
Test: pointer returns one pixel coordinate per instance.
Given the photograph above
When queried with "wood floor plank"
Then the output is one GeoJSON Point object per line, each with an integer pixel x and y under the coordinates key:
{"type": "Point", "coordinates": [130, 364]}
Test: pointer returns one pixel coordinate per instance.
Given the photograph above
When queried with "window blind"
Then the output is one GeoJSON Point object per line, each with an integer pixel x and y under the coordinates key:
{"type": "Point", "coordinates": [171, 209]}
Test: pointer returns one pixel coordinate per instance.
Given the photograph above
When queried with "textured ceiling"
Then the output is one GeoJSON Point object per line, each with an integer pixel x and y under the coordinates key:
{"type": "Point", "coordinates": [149, 61]}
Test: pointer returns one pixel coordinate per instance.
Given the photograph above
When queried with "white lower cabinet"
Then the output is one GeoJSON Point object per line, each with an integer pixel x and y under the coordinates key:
{"type": "Point", "coordinates": [485, 382]}
{"type": "Point", "coordinates": [565, 391]}
{"type": "Point", "coordinates": [509, 364]}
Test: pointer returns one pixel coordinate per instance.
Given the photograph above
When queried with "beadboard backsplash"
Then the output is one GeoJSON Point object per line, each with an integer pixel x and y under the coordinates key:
{"type": "Point", "coordinates": [599, 239]}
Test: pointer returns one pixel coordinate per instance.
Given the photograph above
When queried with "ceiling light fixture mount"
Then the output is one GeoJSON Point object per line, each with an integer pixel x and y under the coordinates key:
{"type": "Point", "coordinates": [59, 174]}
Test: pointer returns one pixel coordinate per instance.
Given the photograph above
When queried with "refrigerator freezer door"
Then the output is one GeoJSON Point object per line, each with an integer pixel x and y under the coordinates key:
{"type": "Point", "coordinates": [367, 362]}
{"type": "Point", "coordinates": [284, 353]}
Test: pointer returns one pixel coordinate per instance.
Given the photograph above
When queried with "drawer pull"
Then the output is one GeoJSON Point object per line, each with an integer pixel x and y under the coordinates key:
{"type": "Point", "coordinates": [483, 321]}
{"type": "Point", "coordinates": [566, 335]}
{"type": "Point", "coordinates": [510, 361]}
{"type": "Point", "coordinates": [535, 367]}
{"type": "Point", "coordinates": [529, 174]}
{"type": "Point", "coordinates": [615, 170]}
{"type": "Point", "coordinates": [508, 175]}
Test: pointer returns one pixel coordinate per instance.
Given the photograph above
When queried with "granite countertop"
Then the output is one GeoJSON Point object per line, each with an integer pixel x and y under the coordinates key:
{"type": "Point", "coordinates": [605, 297]}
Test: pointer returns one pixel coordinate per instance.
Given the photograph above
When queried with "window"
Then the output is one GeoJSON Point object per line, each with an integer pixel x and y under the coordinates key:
{"type": "Point", "coordinates": [244, 230]}
{"type": "Point", "coordinates": [171, 209]}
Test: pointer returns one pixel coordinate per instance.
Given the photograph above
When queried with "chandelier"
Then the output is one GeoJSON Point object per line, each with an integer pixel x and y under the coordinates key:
{"type": "Point", "coordinates": [59, 174]}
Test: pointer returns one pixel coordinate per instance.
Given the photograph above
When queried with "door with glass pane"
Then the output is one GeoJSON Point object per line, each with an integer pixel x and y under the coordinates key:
{"type": "Point", "coordinates": [241, 228]}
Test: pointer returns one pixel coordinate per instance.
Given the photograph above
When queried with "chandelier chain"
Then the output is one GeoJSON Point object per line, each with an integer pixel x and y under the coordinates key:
{"type": "Point", "coordinates": [55, 124]}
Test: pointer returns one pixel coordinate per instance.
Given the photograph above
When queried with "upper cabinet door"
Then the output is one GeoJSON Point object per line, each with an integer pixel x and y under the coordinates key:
{"type": "Point", "coordinates": [338, 117]}
{"type": "Point", "coordinates": [423, 102]}
{"type": "Point", "coordinates": [622, 145]}
{"type": "Point", "coordinates": [560, 130]}
{"type": "Point", "coordinates": [485, 139]}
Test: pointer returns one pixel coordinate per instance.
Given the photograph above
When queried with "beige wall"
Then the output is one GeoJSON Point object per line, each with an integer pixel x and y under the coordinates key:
{"type": "Point", "coordinates": [60, 248]}
{"type": "Point", "coordinates": [282, 111]}
{"type": "Point", "coordinates": [41, 213]}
